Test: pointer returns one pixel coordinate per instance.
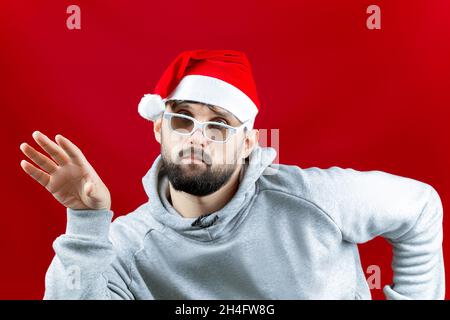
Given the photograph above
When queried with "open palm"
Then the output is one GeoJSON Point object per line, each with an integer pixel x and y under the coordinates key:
{"type": "Point", "coordinates": [67, 175]}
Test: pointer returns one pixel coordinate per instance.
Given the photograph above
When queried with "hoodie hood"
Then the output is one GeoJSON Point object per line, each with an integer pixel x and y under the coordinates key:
{"type": "Point", "coordinates": [215, 224]}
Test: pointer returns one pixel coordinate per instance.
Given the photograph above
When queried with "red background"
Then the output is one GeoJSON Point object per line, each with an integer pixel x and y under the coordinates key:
{"type": "Point", "coordinates": [340, 94]}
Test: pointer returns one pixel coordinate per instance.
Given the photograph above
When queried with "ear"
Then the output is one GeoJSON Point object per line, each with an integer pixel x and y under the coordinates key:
{"type": "Point", "coordinates": [157, 127]}
{"type": "Point", "coordinates": [251, 141]}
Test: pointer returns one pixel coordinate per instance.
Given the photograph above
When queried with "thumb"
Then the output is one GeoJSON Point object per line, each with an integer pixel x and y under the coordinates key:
{"type": "Point", "coordinates": [89, 188]}
{"type": "Point", "coordinates": [94, 196]}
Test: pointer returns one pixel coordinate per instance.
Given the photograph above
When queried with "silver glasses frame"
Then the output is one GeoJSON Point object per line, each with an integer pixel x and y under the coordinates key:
{"type": "Point", "coordinates": [202, 125]}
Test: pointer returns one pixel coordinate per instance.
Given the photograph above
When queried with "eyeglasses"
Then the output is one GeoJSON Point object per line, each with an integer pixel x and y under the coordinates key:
{"type": "Point", "coordinates": [214, 131]}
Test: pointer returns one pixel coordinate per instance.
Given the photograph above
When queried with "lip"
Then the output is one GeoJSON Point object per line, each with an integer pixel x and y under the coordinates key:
{"type": "Point", "coordinates": [190, 159]}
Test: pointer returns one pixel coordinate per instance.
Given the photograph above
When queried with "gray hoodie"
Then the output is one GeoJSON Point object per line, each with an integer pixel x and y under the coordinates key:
{"type": "Point", "coordinates": [287, 233]}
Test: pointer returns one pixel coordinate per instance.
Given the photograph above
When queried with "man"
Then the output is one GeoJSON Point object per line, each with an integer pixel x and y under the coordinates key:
{"type": "Point", "coordinates": [223, 221]}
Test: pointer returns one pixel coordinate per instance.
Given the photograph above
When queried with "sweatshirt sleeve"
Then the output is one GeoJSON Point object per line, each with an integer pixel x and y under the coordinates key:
{"type": "Point", "coordinates": [406, 212]}
{"type": "Point", "coordinates": [86, 265]}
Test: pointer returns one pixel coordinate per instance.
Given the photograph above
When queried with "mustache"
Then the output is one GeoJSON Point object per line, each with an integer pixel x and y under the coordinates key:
{"type": "Point", "coordinates": [197, 153]}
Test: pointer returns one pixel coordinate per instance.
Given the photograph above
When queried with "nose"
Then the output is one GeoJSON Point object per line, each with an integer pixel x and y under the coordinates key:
{"type": "Point", "coordinates": [197, 138]}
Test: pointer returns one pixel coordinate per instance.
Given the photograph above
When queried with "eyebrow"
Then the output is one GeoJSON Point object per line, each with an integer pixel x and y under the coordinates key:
{"type": "Point", "coordinates": [224, 114]}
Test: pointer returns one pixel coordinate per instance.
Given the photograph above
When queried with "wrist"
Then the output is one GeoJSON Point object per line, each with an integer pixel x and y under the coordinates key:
{"type": "Point", "coordinates": [88, 222]}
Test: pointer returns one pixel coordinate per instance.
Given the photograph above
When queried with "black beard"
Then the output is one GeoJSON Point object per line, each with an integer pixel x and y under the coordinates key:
{"type": "Point", "coordinates": [207, 182]}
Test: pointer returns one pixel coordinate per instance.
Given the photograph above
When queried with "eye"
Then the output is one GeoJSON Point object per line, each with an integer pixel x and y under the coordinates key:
{"type": "Point", "coordinates": [186, 113]}
{"type": "Point", "coordinates": [221, 121]}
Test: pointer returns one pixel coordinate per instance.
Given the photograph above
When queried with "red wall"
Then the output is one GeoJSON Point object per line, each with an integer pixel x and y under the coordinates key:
{"type": "Point", "coordinates": [339, 94]}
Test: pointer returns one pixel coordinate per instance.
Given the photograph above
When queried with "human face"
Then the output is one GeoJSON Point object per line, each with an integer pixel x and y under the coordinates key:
{"type": "Point", "coordinates": [194, 163]}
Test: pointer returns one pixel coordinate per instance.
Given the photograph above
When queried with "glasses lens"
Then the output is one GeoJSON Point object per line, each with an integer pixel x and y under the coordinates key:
{"type": "Point", "coordinates": [181, 125]}
{"type": "Point", "coordinates": [217, 132]}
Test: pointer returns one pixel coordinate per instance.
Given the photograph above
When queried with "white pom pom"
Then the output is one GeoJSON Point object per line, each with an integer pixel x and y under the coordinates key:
{"type": "Point", "coordinates": [151, 106]}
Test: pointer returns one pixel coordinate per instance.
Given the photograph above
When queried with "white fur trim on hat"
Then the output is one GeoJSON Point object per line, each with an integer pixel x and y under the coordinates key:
{"type": "Point", "coordinates": [216, 92]}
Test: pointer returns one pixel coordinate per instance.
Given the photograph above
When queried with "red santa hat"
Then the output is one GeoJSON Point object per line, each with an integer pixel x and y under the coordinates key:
{"type": "Point", "coordinates": [218, 77]}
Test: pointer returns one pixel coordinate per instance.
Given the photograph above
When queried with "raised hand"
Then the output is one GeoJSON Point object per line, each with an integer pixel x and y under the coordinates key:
{"type": "Point", "coordinates": [67, 175]}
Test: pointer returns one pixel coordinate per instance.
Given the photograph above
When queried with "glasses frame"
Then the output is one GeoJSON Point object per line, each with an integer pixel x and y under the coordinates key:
{"type": "Point", "coordinates": [202, 125]}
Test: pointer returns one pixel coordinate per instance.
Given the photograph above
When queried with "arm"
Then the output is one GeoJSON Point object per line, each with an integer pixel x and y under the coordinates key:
{"type": "Point", "coordinates": [406, 212]}
{"type": "Point", "coordinates": [86, 264]}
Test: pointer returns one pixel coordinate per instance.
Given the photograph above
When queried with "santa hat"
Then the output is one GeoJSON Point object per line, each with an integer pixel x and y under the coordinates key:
{"type": "Point", "coordinates": [218, 77]}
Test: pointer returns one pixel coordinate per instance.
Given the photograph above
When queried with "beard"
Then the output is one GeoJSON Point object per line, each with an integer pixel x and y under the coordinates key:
{"type": "Point", "coordinates": [199, 179]}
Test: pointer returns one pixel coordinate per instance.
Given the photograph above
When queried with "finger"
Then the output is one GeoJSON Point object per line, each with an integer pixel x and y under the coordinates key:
{"type": "Point", "coordinates": [88, 188]}
{"type": "Point", "coordinates": [38, 158]}
{"type": "Point", "coordinates": [54, 150]}
{"type": "Point", "coordinates": [91, 191]}
{"type": "Point", "coordinates": [40, 176]}
{"type": "Point", "coordinates": [71, 149]}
